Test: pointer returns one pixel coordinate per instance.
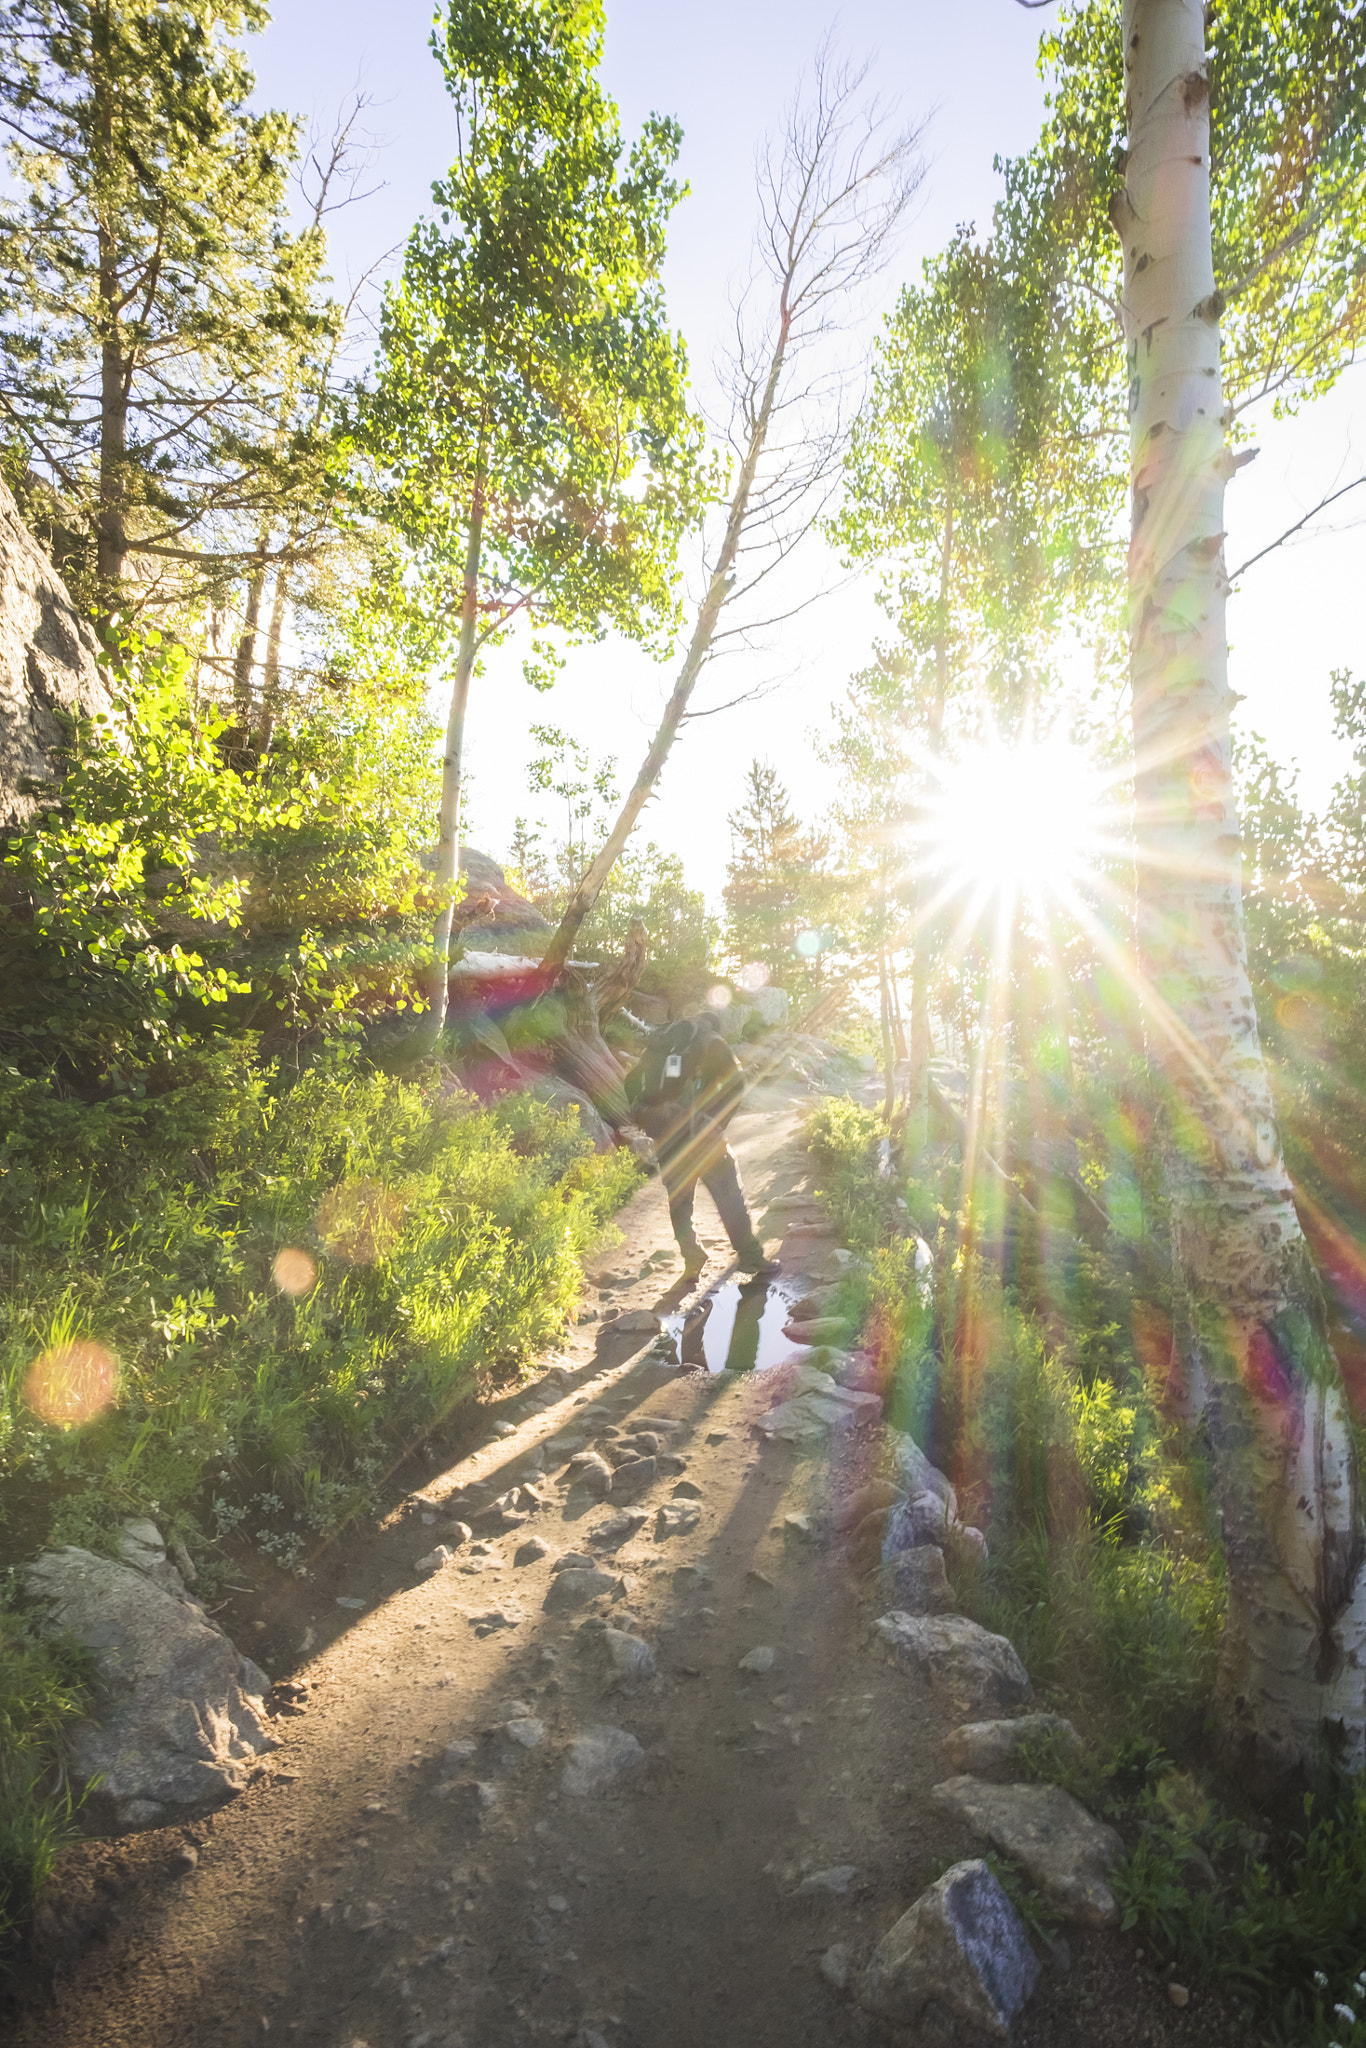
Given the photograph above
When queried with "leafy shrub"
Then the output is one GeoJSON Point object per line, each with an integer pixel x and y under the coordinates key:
{"type": "Point", "coordinates": [426, 1239]}
{"type": "Point", "coordinates": [43, 1689]}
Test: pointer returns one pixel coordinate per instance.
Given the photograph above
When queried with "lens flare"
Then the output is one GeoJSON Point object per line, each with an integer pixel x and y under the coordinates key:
{"type": "Point", "coordinates": [1025, 818]}
{"type": "Point", "coordinates": [753, 975]}
{"type": "Point", "coordinates": [293, 1271]}
{"type": "Point", "coordinates": [72, 1383]}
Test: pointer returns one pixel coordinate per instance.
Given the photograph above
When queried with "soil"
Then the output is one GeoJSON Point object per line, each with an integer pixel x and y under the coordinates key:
{"type": "Point", "coordinates": [374, 1887]}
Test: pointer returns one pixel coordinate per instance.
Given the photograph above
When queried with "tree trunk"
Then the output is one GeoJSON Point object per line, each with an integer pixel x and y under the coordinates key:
{"type": "Point", "coordinates": [111, 532]}
{"type": "Point", "coordinates": [270, 675]}
{"type": "Point", "coordinates": [1250, 1344]}
{"type": "Point", "coordinates": [245, 659]}
{"type": "Point", "coordinates": [918, 1081]}
{"type": "Point", "coordinates": [888, 1049]}
{"type": "Point", "coordinates": [427, 1031]}
{"type": "Point", "coordinates": [598, 869]}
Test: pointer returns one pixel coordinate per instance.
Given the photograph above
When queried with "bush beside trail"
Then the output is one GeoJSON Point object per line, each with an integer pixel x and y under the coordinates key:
{"type": "Point", "coordinates": [1023, 1380]}
{"type": "Point", "coordinates": [150, 1245]}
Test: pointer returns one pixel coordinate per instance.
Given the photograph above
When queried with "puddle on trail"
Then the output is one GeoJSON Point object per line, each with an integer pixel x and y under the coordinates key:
{"type": "Point", "coordinates": [738, 1328]}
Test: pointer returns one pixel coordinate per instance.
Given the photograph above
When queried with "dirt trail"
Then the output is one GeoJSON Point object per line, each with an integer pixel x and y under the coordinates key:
{"type": "Point", "coordinates": [375, 1887]}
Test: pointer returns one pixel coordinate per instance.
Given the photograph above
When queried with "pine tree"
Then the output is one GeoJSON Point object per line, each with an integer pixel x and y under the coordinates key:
{"type": "Point", "coordinates": [153, 307]}
{"type": "Point", "coordinates": [775, 881]}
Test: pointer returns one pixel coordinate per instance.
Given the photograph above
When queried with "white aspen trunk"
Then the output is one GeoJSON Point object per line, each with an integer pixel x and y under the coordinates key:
{"type": "Point", "coordinates": [1250, 1346]}
{"type": "Point", "coordinates": [426, 1033]}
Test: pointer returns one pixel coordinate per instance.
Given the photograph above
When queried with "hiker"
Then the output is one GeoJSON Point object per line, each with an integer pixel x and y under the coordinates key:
{"type": "Point", "coordinates": [683, 1091]}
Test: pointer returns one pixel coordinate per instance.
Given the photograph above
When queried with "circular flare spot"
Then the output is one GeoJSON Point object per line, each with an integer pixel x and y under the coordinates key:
{"type": "Point", "coordinates": [71, 1383]}
{"type": "Point", "coordinates": [718, 998]}
{"type": "Point", "coordinates": [294, 1272]}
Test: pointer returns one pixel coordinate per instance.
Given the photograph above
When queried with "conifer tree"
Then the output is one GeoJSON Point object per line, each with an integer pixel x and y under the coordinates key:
{"type": "Point", "coordinates": [152, 303]}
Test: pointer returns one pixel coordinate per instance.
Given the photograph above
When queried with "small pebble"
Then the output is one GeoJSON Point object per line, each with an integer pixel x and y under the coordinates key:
{"type": "Point", "coordinates": [1178, 1994]}
{"type": "Point", "coordinates": [558, 1903]}
{"type": "Point", "coordinates": [760, 1659]}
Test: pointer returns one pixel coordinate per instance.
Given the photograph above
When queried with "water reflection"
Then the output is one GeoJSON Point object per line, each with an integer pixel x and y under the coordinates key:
{"type": "Point", "coordinates": [738, 1328]}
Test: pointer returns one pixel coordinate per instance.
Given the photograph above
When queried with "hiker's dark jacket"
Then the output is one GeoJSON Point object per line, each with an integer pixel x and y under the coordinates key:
{"type": "Point", "coordinates": [708, 1093]}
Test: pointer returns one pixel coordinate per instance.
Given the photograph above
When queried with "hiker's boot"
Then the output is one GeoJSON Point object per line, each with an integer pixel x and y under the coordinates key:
{"type": "Point", "coordinates": [694, 1260]}
{"type": "Point", "coordinates": [751, 1259]}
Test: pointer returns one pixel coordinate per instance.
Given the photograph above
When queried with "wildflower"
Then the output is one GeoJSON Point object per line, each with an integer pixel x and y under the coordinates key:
{"type": "Point", "coordinates": [1344, 2012]}
{"type": "Point", "coordinates": [1319, 1977]}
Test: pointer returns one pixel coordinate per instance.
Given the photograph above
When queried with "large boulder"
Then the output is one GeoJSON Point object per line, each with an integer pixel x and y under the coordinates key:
{"type": "Point", "coordinates": [972, 1668]}
{"type": "Point", "coordinates": [961, 1948]}
{"type": "Point", "coordinates": [48, 670]}
{"type": "Point", "coordinates": [1067, 1853]}
{"type": "Point", "coordinates": [180, 1713]}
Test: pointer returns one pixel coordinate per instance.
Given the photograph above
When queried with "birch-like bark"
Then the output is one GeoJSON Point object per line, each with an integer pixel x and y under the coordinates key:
{"type": "Point", "coordinates": [918, 1081]}
{"type": "Point", "coordinates": [427, 1031]}
{"type": "Point", "coordinates": [1250, 1345]}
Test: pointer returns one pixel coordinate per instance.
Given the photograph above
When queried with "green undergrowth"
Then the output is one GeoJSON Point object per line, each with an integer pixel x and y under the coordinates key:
{"type": "Point", "coordinates": [44, 1687]}
{"type": "Point", "coordinates": [265, 1292]}
{"type": "Point", "coordinates": [1021, 1378]}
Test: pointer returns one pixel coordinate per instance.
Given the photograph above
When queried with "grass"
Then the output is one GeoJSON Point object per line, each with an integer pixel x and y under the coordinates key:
{"type": "Point", "coordinates": [44, 1687]}
{"type": "Point", "coordinates": [1104, 1568]}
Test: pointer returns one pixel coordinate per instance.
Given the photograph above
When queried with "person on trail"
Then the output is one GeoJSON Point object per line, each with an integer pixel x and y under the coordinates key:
{"type": "Point", "coordinates": [684, 1090]}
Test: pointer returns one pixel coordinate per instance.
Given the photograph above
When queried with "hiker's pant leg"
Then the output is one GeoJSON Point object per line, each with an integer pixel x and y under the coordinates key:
{"type": "Point", "coordinates": [678, 1171]}
{"type": "Point", "coordinates": [721, 1178]}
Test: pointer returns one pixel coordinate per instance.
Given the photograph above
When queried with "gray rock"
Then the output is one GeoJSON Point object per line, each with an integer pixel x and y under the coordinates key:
{"type": "Point", "coordinates": [48, 666]}
{"type": "Point", "coordinates": [645, 1443]}
{"type": "Point", "coordinates": [686, 1489]}
{"type": "Point", "coordinates": [919, 1475]}
{"type": "Point", "coordinates": [185, 1860]}
{"type": "Point", "coordinates": [632, 1479]}
{"type": "Point", "coordinates": [837, 1880]}
{"type": "Point", "coordinates": [676, 1518]}
{"type": "Point", "coordinates": [1067, 1852]}
{"type": "Point", "coordinates": [182, 1712]}
{"type": "Point", "coordinates": [589, 1470]}
{"type": "Point", "coordinates": [575, 1561]}
{"type": "Point", "coordinates": [760, 1659]}
{"type": "Point", "coordinates": [638, 1322]}
{"type": "Point", "coordinates": [630, 1661]}
{"type": "Point", "coordinates": [924, 1518]}
{"type": "Point", "coordinates": [599, 1757]}
{"type": "Point", "coordinates": [435, 1560]}
{"type": "Point", "coordinates": [961, 1946]}
{"type": "Point", "coordinates": [984, 1747]}
{"type": "Point", "coordinates": [971, 1667]}
{"type": "Point", "coordinates": [816, 1407]}
{"type": "Point", "coordinates": [577, 1588]}
{"type": "Point", "coordinates": [671, 1462]}
{"type": "Point", "coordinates": [867, 1500]}
{"type": "Point", "coordinates": [525, 1730]}
{"type": "Point", "coordinates": [532, 1551]}
{"type": "Point", "coordinates": [916, 1582]}
{"type": "Point", "coordinates": [837, 1965]}
{"type": "Point", "coordinates": [773, 1006]}
{"type": "Point", "coordinates": [617, 1528]}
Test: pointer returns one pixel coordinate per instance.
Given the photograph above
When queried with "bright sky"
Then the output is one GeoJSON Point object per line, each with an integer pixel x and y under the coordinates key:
{"type": "Point", "coordinates": [727, 71]}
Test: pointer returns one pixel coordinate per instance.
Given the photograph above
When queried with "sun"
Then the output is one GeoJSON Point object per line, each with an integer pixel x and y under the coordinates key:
{"type": "Point", "coordinates": [1022, 820]}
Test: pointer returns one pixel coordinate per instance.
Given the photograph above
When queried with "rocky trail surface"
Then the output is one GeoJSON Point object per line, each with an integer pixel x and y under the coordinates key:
{"type": "Point", "coordinates": [622, 1751]}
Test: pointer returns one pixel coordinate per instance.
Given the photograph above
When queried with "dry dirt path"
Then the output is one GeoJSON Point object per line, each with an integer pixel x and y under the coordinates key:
{"type": "Point", "coordinates": [378, 1886]}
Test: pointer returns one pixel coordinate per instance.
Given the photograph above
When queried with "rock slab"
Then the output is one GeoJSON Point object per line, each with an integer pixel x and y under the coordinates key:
{"type": "Point", "coordinates": [1067, 1852]}
{"type": "Point", "coordinates": [182, 1711]}
{"type": "Point", "coordinates": [982, 1747]}
{"type": "Point", "coordinates": [599, 1757]}
{"type": "Point", "coordinates": [961, 1946]}
{"type": "Point", "coordinates": [916, 1582]}
{"type": "Point", "coordinates": [959, 1658]}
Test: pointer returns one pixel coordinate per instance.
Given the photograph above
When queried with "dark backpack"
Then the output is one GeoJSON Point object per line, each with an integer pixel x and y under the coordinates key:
{"type": "Point", "coordinates": [665, 1073]}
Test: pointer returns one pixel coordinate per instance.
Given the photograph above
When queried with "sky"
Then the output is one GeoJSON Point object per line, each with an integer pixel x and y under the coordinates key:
{"type": "Point", "coordinates": [727, 72]}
